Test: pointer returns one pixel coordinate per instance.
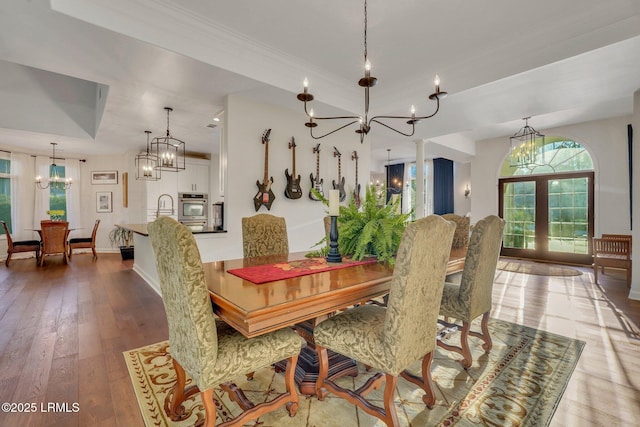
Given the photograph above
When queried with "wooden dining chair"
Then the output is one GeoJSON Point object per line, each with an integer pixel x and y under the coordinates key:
{"type": "Point", "coordinates": [390, 339]}
{"type": "Point", "coordinates": [54, 239]}
{"type": "Point", "coordinates": [471, 297]}
{"type": "Point", "coordinates": [20, 246]}
{"type": "Point", "coordinates": [264, 234]}
{"type": "Point", "coordinates": [85, 242]}
{"type": "Point", "coordinates": [204, 347]}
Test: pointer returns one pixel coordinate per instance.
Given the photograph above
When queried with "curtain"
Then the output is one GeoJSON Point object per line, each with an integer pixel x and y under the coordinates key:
{"type": "Point", "coordinates": [22, 196]}
{"type": "Point", "coordinates": [442, 186]}
{"type": "Point", "coordinates": [74, 215]}
{"type": "Point", "coordinates": [41, 197]}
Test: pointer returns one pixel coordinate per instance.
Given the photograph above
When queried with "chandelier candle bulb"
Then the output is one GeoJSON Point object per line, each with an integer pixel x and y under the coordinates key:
{"type": "Point", "coordinates": [437, 83]}
{"type": "Point", "coordinates": [305, 84]}
{"type": "Point", "coordinates": [334, 202]}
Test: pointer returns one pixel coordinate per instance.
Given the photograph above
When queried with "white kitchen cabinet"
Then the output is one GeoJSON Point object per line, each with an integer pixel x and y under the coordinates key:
{"type": "Point", "coordinates": [195, 178]}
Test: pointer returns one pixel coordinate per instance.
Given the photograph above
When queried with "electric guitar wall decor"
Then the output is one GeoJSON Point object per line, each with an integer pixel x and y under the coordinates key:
{"type": "Point", "coordinates": [317, 182]}
{"type": "Point", "coordinates": [293, 190]}
{"type": "Point", "coordinates": [340, 184]}
{"type": "Point", "coordinates": [265, 196]}
{"type": "Point", "coordinates": [356, 190]}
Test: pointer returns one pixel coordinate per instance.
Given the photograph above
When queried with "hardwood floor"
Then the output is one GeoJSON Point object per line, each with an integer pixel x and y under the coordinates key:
{"type": "Point", "coordinates": [63, 329]}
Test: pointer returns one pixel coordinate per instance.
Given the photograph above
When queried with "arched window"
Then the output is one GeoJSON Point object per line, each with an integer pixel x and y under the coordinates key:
{"type": "Point", "coordinates": [548, 206]}
{"type": "Point", "coordinates": [558, 155]}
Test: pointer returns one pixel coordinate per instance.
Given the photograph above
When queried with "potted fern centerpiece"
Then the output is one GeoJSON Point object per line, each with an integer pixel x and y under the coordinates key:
{"type": "Point", "coordinates": [371, 229]}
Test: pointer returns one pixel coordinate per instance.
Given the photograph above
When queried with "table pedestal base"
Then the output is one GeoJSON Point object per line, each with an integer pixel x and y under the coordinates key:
{"type": "Point", "coordinates": [307, 369]}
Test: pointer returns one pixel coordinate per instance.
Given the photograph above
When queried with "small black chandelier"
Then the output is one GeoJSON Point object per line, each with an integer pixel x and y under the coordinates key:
{"type": "Point", "coordinates": [365, 122]}
{"type": "Point", "coordinates": [170, 152]}
{"type": "Point", "coordinates": [527, 147]}
{"type": "Point", "coordinates": [146, 163]}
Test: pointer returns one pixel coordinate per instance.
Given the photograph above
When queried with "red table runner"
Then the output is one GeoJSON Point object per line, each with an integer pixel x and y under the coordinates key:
{"type": "Point", "coordinates": [286, 270]}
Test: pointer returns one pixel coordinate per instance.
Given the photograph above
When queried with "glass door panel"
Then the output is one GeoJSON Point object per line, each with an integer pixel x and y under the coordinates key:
{"type": "Point", "coordinates": [568, 215]}
{"type": "Point", "coordinates": [519, 214]}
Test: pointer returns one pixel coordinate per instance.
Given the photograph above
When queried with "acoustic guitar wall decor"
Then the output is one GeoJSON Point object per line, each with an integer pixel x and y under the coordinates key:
{"type": "Point", "coordinates": [340, 184]}
{"type": "Point", "coordinates": [356, 190]}
{"type": "Point", "coordinates": [265, 196]}
{"type": "Point", "coordinates": [293, 190]}
{"type": "Point", "coordinates": [317, 182]}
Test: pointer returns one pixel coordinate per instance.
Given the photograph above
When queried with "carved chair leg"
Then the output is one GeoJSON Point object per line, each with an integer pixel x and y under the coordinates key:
{"type": "Point", "coordinates": [467, 359]}
{"type": "Point", "coordinates": [391, 418]}
{"type": "Point", "coordinates": [70, 253]}
{"type": "Point", "coordinates": [290, 383]}
{"type": "Point", "coordinates": [175, 407]}
{"type": "Point", "coordinates": [180, 394]}
{"type": "Point", "coordinates": [95, 254]}
{"type": "Point", "coordinates": [425, 382]}
{"type": "Point", "coordinates": [484, 335]}
{"type": "Point", "coordinates": [9, 259]}
{"type": "Point", "coordinates": [209, 408]}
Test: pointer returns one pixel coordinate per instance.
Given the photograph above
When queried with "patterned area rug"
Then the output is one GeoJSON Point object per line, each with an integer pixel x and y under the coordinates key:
{"type": "Point", "coordinates": [519, 383]}
{"type": "Point", "coordinates": [538, 268]}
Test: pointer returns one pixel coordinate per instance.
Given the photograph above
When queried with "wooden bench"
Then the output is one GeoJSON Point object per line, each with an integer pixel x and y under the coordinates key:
{"type": "Point", "coordinates": [613, 251]}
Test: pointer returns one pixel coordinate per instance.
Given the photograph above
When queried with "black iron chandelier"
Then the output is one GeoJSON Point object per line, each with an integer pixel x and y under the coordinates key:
{"type": "Point", "coordinates": [365, 122]}
{"type": "Point", "coordinates": [527, 147]}
{"type": "Point", "coordinates": [170, 152]}
{"type": "Point", "coordinates": [146, 164]}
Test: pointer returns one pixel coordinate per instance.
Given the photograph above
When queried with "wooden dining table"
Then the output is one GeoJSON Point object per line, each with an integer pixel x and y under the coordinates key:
{"type": "Point", "coordinates": [255, 309]}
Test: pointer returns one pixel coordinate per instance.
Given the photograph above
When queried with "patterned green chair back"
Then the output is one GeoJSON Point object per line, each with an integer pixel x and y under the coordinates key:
{"type": "Point", "coordinates": [416, 291]}
{"type": "Point", "coordinates": [264, 234]}
{"type": "Point", "coordinates": [185, 296]}
{"type": "Point", "coordinates": [461, 236]}
{"type": "Point", "coordinates": [479, 271]}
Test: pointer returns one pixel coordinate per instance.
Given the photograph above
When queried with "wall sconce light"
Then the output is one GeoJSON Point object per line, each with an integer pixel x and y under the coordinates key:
{"type": "Point", "coordinates": [467, 191]}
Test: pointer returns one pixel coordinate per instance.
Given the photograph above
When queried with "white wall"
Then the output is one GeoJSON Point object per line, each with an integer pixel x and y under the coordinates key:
{"type": "Point", "coordinates": [605, 140]}
{"type": "Point", "coordinates": [246, 120]}
{"type": "Point", "coordinates": [461, 179]}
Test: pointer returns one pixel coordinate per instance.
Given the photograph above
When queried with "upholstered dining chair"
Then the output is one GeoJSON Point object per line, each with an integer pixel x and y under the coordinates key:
{"type": "Point", "coordinates": [392, 338]}
{"type": "Point", "coordinates": [85, 242]}
{"type": "Point", "coordinates": [461, 236]}
{"type": "Point", "coordinates": [471, 297]}
{"type": "Point", "coordinates": [20, 246]}
{"type": "Point", "coordinates": [264, 234]}
{"type": "Point", "coordinates": [207, 349]}
{"type": "Point", "coordinates": [54, 239]}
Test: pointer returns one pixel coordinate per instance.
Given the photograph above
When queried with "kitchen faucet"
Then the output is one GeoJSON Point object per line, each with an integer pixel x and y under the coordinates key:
{"type": "Point", "coordinates": [164, 211]}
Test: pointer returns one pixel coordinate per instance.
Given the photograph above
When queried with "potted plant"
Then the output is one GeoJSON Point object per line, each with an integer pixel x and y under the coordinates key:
{"type": "Point", "coordinates": [123, 238]}
{"type": "Point", "coordinates": [371, 229]}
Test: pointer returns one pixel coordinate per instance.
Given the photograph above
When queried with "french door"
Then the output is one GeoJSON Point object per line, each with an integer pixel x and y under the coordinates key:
{"type": "Point", "coordinates": [548, 217]}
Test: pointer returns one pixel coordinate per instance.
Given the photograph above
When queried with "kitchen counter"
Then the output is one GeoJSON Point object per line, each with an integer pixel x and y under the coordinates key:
{"type": "Point", "coordinates": [209, 243]}
{"type": "Point", "coordinates": [141, 229]}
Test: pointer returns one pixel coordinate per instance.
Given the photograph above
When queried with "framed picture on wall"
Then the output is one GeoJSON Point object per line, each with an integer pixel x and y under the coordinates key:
{"type": "Point", "coordinates": [104, 177]}
{"type": "Point", "coordinates": [104, 201]}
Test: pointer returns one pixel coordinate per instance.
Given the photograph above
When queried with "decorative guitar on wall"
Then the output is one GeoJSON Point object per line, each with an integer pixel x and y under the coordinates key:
{"type": "Point", "coordinates": [356, 190]}
{"type": "Point", "coordinates": [265, 196]}
{"type": "Point", "coordinates": [317, 182]}
{"type": "Point", "coordinates": [293, 190]}
{"type": "Point", "coordinates": [340, 184]}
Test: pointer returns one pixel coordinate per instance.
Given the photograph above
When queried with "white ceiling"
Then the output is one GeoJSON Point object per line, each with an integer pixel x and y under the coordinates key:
{"type": "Point", "coordinates": [561, 62]}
